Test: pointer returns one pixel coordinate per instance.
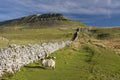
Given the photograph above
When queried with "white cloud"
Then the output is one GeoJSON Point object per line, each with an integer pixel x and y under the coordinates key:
{"type": "Point", "coordinates": [93, 7]}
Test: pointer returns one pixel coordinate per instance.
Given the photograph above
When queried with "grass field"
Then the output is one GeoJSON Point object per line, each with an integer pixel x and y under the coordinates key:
{"type": "Point", "coordinates": [87, 62]}
{"type": "Point", "coordinates": [81, 61]}
{"type": "Point", "coordinates": [32, 36]}
{"type": "Point", "coordinates": [37, 32]}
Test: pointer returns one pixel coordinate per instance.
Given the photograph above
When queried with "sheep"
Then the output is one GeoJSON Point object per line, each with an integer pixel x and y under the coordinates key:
{"type": "Point", "coordinates": [48, 63]}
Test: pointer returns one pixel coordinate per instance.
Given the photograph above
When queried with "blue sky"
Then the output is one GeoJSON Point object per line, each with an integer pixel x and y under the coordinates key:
{"type": "Point", "coordinates": [91, 12]}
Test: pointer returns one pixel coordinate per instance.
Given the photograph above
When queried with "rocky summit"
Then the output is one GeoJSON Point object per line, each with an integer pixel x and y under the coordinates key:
{"type": "Point", "coordinates": [34, 18]}
{"type": "Point", "coordinates": [40, 20]}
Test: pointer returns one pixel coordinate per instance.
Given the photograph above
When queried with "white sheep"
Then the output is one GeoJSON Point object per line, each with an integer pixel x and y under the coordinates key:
{"type": "Point", "coordinates": [48, 63]}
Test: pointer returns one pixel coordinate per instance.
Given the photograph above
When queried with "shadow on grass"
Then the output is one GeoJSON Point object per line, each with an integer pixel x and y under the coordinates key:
{"type": "Point", "coordinates": [34, 67]}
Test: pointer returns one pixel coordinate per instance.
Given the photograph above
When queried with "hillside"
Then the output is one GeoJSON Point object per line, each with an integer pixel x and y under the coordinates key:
{"type": "Point", "coordinates": [41, 20]}
{"type": "Point", "coordinates": [105, 33]}
{"type": "Point", "coordinates": [109, 37]}
{"type": "Point", "coordinates": [84, 63]}
{"type": "Point", "coordinates": [93, 56]}
{"type": "Point", "coordinates": [82, 60]}
{"type": "Point", "coordinates": [37, 29]}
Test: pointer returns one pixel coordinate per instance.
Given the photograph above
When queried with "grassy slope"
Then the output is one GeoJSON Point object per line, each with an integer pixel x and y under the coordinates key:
{"type": "Point", "coordinates": [44, 24]}
{"type": "Point", "coordinates": [87, 62]}
{"type": "Point", "coordinates": [106, 33]}
{"type": "Point", "coordinates": [44, 20]}
{"type": "Point", "coordinates": [32, 36]}
{"type": "Point", "coordinates": [37, 32]}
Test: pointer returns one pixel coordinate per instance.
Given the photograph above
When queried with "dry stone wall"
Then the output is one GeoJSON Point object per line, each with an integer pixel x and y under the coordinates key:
{"type": "Point", "coordinates": [75, 37]}
{"type": "Point", "coordinates": [15, 56]}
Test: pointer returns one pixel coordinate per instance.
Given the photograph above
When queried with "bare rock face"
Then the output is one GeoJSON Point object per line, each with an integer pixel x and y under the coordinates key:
{"type": "Point", "coordinates": [52, 17]}
{"type": "Point", "coordinates": [36, 19]}
{"type": "Point", "coordinates": [12, 58]}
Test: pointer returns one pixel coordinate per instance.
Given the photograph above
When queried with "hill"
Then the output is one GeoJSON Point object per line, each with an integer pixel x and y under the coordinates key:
{"type": "Point", "coordinates": [94, 56]}
{"type": "Point", "coordinates": [42, 20]}
{"type": "Point", "coordinates": [111, 33]}
{"type": "Point", "coordinates": [82, 60]}
{"type": "Point", "coordinates": [37, 28]}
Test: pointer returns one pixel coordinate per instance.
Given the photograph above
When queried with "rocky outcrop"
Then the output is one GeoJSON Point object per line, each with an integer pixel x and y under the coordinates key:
{"type": "Point", "coordinates": [52, 17]}
{"type": "Point", "coordinates": [12, 58]}
{"type": "Point", "coordinates": [35, 20]}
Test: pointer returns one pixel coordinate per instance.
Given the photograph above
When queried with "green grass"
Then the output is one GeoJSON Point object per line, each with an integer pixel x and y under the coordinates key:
{"type": "Point", "coordinates": [3, 43]}
{"type": "Point", "coordinates": [38, 31]}
{"type": "Point", "coordinates": [37, 23]}
{"type": "Point", "coordinates": [87, 62]}
{"type": "Point", "coordinates": [32, 36]}
{"type": "Point", "coordinates": [106, 33]}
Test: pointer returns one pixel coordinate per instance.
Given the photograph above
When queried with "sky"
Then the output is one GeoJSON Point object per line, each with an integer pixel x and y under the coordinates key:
{"type": "Point", "coordinates": [90, 12]}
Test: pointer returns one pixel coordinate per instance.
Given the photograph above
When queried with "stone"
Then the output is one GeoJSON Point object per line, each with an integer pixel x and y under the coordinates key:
{"type": "Point", "coordinates": [12, 58]}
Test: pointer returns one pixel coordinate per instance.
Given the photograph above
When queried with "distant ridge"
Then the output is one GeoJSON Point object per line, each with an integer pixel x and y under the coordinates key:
{"type": "Point", "coordinates": [40, 20]}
